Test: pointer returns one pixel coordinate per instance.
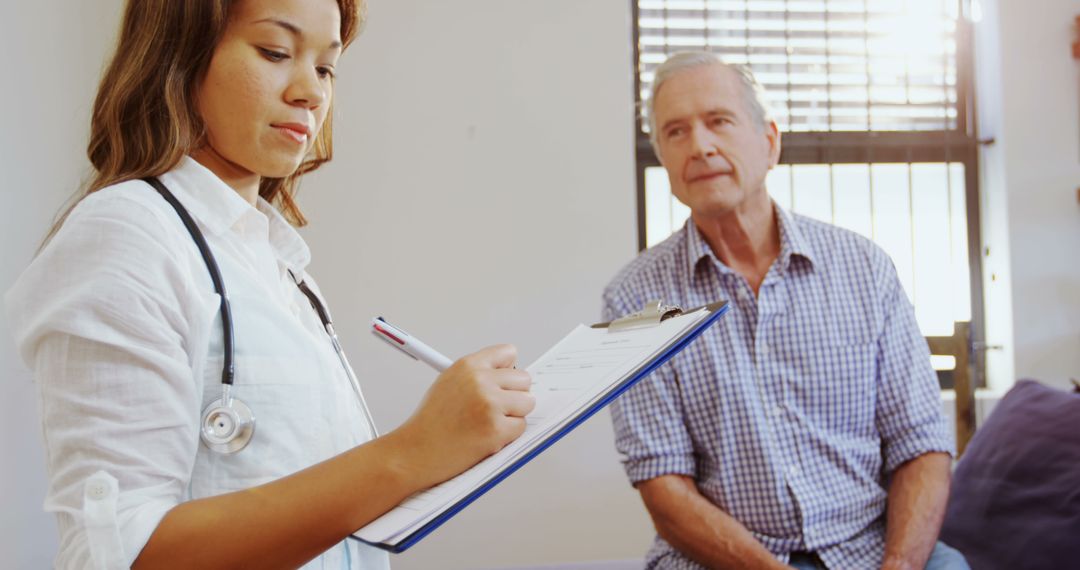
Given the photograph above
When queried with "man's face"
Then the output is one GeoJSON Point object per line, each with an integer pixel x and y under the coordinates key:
{"type": "Point", "coordinates": [716, 152]}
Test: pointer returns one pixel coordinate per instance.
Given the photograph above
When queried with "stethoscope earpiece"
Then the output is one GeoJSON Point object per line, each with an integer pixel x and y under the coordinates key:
{"type": "Point", "coordinates": [227, 427]}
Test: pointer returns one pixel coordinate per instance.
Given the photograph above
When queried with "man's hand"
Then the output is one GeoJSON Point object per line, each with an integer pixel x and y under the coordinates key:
{"type": "Point", "coordinates": [916, 507]}
{"type": "Point", "coordinates": [699, 529]}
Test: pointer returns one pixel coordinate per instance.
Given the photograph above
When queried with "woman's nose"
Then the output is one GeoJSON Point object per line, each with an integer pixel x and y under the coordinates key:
{"type": "Point", "coordinates": [306, 89]}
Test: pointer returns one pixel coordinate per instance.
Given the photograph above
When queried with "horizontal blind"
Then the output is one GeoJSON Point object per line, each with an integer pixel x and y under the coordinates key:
{"type": "Point", "coordinates": [827, 65]}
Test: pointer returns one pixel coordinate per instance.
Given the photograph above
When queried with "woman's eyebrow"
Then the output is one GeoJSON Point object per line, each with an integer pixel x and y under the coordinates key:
{"type": "Point", "coordinates": [292, 28]}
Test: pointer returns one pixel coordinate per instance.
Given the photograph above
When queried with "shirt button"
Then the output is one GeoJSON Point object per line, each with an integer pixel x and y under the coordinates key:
{"type": "Point", "coordinates": [777, 411]}
{"type": "Point", "coordinates": [742, 295]}
{"type": "Point", "coordinates": [97, 490]}
{"type": "Point", "coordinates": [763, 349]}
{"type": "Point", "coordinates": [793, 471]}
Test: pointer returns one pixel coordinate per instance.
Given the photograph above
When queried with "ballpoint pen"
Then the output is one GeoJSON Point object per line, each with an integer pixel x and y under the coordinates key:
{"type": "Point", "coordinates": [409, 344]}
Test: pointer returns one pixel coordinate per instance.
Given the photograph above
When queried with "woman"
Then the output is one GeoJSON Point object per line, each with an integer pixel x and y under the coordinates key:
{"type": "Point", "coordinates": [221, 105]}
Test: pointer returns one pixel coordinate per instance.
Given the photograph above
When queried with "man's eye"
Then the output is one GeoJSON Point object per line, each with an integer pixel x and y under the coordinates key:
{"type": "Point", "coordinates": [326, 72]}
{"type": "Point", "coordinates": [273, 55]}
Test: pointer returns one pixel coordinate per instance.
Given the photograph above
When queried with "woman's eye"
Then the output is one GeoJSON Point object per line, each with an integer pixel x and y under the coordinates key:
{"type": "Point", "coordinates": [273, 55]}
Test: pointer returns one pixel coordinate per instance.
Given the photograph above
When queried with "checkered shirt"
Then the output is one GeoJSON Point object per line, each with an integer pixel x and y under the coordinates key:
{"type": "Point", "coordinates": [793, 409]}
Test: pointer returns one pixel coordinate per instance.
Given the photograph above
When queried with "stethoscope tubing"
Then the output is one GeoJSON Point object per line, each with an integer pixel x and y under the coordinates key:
{"type": "Point", "coordinates": [228, 373]}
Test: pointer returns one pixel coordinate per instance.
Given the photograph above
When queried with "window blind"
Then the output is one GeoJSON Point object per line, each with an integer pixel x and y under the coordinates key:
{"type": "Point", "coordinates": [827, 65]}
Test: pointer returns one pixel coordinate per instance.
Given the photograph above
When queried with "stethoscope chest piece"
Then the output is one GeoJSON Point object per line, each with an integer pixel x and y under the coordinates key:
{"type": "Point", "coordinates": [227, 427]}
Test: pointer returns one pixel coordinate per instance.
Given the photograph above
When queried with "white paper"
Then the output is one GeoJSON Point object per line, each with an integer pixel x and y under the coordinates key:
{"type": "Point", "coordinates": [581, 369]}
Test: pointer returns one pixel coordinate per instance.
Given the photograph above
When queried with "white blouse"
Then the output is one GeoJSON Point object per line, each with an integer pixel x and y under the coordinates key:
{"type": "Point", "coordinates": [119, 321]}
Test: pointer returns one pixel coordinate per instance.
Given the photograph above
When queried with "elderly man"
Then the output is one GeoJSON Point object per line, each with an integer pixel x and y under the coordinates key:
{"type": "Point", "coordinates": [805, 427]}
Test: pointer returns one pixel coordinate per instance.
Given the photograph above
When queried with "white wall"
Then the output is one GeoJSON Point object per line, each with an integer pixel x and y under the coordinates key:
{"type": "Point", "coordinates": [484, 193]}
{"type": "Point", "coordinates": [1031, 107]}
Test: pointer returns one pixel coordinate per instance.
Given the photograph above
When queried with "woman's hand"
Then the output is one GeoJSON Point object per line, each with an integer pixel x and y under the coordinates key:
{"type": "Point", "coordinates": [475, 408]}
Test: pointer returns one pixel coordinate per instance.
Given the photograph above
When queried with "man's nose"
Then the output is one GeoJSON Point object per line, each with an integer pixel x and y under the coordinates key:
{"type": "Point", "coordinates": [702, 143]}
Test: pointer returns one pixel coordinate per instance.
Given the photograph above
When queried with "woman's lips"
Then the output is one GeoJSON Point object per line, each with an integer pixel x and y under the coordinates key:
{"type": "Point", "coordinates": [294, 131]}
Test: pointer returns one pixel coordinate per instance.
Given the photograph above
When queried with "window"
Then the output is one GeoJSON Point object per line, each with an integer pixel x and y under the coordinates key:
{"type": "Point", "coordinates": [874, 98]}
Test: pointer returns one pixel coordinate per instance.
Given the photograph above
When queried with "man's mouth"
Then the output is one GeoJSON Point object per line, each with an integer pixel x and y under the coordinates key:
{"type": "Point", "coordinates": [709, 176]}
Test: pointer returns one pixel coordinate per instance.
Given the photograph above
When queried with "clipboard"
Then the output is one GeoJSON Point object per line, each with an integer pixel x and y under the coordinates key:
{"type": "Point", "coordinates": [652, 315]}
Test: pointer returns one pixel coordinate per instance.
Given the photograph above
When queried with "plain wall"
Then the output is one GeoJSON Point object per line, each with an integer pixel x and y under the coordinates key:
{"type": "Point", "coordinates": [483, 191]}
{"type": "Point", "coordinates": [1031, 108]}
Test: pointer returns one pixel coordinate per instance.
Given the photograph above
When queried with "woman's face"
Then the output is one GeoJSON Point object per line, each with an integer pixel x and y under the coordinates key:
{"type": "Point", "coordinates": [268, 88]}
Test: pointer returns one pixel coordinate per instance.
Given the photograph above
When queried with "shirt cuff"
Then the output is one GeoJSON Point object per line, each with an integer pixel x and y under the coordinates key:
{"type": "Point", "coordinates": [119, 524]}
{"type": "Point", "coordinates": [915, 443]}
{"type": "Point", "coordinates": [139, 521]}
{"type": "Point", "coordinates": [643, 469]}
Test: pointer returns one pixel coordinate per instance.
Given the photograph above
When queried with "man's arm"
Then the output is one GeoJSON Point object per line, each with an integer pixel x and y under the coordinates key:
{"type": "Point", "coordinates": [916, 443]}
{"type": "Point", "coordinates": [699, 529]}
{"type": "Point", "coordinates": [916, 507]}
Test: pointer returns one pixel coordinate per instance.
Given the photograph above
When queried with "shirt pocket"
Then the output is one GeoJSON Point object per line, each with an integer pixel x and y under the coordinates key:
{"type": "Point", "coordinates": [296, 425]}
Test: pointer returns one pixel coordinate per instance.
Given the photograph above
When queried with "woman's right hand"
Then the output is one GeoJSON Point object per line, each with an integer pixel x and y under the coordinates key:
{"type": "Point", "coordinates": [474, 408]}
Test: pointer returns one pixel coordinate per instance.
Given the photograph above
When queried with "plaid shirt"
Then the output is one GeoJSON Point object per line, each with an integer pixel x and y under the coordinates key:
{"type": "Point", "coordinates": [792, 410]}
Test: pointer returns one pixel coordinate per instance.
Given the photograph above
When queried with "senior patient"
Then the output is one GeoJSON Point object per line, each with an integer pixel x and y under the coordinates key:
{"type": "Point", "coordinates": [805, 427]}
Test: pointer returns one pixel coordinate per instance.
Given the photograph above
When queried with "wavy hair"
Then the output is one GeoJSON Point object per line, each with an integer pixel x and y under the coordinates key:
{"type": "Point", "coordinates": [145, 117]}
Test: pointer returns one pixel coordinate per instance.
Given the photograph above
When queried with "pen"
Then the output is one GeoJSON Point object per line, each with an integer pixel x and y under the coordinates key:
{"type": "Point", "coordinates": [409, 344]}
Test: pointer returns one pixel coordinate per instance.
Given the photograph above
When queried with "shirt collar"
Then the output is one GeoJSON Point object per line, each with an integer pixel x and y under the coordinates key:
{"type": "Point", "coordinates": [219, 209]}
{"type": "Point", "coordinates": [792, 243]}
{"type": "Point", "coordinates": [792, 240]}
{"type": "Point", "coordinates": [291, 249]}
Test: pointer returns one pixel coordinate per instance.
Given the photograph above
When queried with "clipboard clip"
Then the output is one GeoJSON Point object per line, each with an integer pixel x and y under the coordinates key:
{"type": "Point", "coordinates": [654, 313]}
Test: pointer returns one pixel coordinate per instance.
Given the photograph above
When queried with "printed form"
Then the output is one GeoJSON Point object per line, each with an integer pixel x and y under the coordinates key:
{"type": "Point", "coordinates": [576, 373]}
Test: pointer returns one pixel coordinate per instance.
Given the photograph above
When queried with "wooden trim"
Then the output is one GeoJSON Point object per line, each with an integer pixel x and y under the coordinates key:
{"type": "Point", "coordinates": [959, 346]}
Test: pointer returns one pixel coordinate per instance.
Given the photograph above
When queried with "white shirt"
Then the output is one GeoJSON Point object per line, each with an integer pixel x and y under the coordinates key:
{"type": "Point", "coordinates": [118, 318]}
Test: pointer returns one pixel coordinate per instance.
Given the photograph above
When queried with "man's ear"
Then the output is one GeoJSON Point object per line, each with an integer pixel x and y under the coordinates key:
{"type": "Point", "coordinates": [772, 133]}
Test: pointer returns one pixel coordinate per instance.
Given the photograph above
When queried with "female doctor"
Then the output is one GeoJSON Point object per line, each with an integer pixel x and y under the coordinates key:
{"type": "Point", "coordinates": [174, 438]}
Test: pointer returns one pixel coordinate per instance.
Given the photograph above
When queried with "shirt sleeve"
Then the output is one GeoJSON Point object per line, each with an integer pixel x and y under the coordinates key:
{"type": "Point", "coordinates": [103, 317]}
{"type": "Point", "coordinates": [648, 419]}
{"type": "Point", "coordinates": [908, 411]}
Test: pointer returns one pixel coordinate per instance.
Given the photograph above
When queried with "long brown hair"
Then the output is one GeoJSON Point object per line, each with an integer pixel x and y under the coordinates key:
{"type": "Point", "coordinates": [144, 117]}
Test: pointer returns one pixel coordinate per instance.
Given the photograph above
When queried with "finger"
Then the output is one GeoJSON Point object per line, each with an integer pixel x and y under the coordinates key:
{"type": "Point", "coordinates": [511, 428]}
{"type": "Point", "coordinates": [498, 356]}
{"type": "Point", "coordinates": [513, 379]}
{"type": "Point", "coordinates": [517, 404]}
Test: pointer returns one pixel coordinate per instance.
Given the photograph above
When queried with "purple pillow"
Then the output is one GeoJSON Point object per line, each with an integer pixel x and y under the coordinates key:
{"type": "Point", "coordinates": [1015, 500]}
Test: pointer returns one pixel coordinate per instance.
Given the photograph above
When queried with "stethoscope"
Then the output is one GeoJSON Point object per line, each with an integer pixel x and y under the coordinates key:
{"type": "Point", "coordinates": [227, 423]}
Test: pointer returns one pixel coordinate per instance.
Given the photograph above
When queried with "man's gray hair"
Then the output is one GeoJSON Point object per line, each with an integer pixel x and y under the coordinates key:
{"type": "Point", "coordinates": [753, 93]}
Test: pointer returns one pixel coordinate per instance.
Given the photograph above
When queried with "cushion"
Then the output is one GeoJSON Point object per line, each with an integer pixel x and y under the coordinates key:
{"type": "Point", "coordinates": [1015, 499]}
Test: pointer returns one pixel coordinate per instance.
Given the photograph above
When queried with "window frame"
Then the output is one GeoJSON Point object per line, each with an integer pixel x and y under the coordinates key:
{"type": "Point", "coordinates": [958, 145]}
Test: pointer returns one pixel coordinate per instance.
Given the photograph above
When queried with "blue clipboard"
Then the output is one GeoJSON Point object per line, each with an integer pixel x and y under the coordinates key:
{"type": "Point", "coordinates": [653, 313]}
